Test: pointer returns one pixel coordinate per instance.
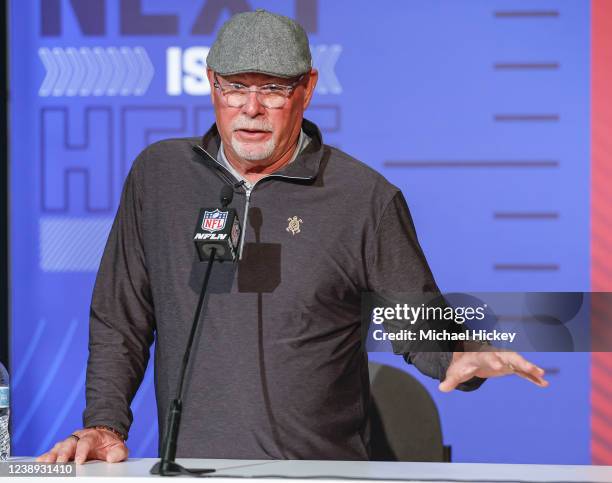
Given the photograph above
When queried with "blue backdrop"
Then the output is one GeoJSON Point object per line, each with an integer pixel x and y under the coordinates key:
{"type": "Point", "coordinates": [478, 113]}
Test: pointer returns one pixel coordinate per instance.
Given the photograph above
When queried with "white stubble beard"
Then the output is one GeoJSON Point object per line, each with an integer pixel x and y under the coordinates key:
{"type": "Point", "coordinates": [253, 151]}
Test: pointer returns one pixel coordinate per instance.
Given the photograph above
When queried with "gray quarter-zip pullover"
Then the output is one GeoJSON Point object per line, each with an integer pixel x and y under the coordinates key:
{"type": "Point", "coordinates": [279, 368]}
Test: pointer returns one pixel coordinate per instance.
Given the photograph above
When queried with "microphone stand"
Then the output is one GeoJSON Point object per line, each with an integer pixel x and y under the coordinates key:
{"type": "Point", "coordinates": [167, 466]}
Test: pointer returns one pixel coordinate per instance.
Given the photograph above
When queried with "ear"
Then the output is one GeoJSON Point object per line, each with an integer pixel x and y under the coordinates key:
{"type": "Point", "coordinates": [313, 76]}
{"type": "Point", "coordinates": [211, 82]}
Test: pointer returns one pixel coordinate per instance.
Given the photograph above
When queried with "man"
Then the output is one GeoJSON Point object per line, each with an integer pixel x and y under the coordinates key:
{"type": "Point", "coordinates": [280, 370]}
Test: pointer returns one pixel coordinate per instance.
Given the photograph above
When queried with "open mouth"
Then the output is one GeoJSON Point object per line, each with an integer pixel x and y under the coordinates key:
{"type": "Point", "coordinates": [252, 134]}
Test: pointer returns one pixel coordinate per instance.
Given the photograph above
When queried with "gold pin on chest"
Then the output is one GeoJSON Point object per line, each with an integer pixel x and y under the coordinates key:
{"type": "Point", "coordinates": [294, 225]}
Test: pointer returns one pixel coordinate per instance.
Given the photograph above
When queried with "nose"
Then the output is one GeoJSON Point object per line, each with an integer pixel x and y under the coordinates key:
{"type": "Point", "coordinates": [252, 106]}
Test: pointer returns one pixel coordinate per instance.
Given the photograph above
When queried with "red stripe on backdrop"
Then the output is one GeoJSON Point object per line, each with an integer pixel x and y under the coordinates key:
{"type": "Point", "coordinates": [601, 218]}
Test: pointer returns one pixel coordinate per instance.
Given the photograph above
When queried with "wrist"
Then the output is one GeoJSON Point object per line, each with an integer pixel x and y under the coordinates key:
{"type": "Point", "coordinates": [110, 429]}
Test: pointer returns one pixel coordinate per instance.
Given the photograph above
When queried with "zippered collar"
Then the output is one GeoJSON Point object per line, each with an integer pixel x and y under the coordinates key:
{"type": "Point", "coordinates": [304, 168]}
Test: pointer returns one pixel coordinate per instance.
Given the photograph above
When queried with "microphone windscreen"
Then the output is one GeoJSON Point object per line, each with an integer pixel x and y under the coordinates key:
{"type": "Point", "coordinates": [227, 195]}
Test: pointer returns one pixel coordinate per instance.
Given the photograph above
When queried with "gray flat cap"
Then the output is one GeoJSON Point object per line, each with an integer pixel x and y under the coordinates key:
{"type": "Point", "coordinates": [260, 42]}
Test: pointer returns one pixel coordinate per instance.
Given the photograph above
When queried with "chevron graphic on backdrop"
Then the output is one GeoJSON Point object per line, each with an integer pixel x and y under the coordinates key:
{"type": "Point", "coordinates": [98, 71]}
{"type": "Point", "coordinates": [324, 58]}
{"type": "Point", "coordinates": [72, 244]}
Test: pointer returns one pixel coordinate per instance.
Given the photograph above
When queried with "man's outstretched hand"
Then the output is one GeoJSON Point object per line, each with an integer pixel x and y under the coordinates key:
{"type": "Point", "coordinates": [487, 362]}
{"type": "Point", "coordinates": [93, 444]}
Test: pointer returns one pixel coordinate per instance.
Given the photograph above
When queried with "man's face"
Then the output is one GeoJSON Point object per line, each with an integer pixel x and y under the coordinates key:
{"type": "Point", "coordinates": [256, 135]}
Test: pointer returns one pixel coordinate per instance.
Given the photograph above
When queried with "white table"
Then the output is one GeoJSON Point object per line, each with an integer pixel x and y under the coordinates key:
{"type": "Point", "coordinates": [235, 471]}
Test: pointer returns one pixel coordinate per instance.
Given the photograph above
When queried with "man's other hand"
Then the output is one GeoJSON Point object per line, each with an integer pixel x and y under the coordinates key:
{"type": "Point", "coordinates": [93, 444]}
{"type": "Point", "coordinates": [489, 363]}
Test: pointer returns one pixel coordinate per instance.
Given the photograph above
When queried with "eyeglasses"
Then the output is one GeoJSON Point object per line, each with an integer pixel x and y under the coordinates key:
{"type": "Point", "coordinates": [271, 96]}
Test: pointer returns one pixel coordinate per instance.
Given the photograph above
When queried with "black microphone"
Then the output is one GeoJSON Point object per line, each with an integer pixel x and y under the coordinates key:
{"type": "Point", "coordinates": [219, 229]}
{"type": "Point", "coordinates": [216, 237]}
{"type": "Point", "coordinates": [227, 195]}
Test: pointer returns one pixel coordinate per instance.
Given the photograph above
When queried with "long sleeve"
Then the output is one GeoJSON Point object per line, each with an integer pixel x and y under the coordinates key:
{"type": "Point", "coordinates": [121, 327]}
{"type": "Point", "coordinates": [396, 265]}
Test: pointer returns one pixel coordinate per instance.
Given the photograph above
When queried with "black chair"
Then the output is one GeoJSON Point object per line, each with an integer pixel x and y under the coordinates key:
{"type": "Point", "coordinates": [405, 424]}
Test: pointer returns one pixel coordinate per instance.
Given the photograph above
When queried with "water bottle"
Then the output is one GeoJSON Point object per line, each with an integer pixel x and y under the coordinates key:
{"type": "Point", "coordinates": [5, 438]}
